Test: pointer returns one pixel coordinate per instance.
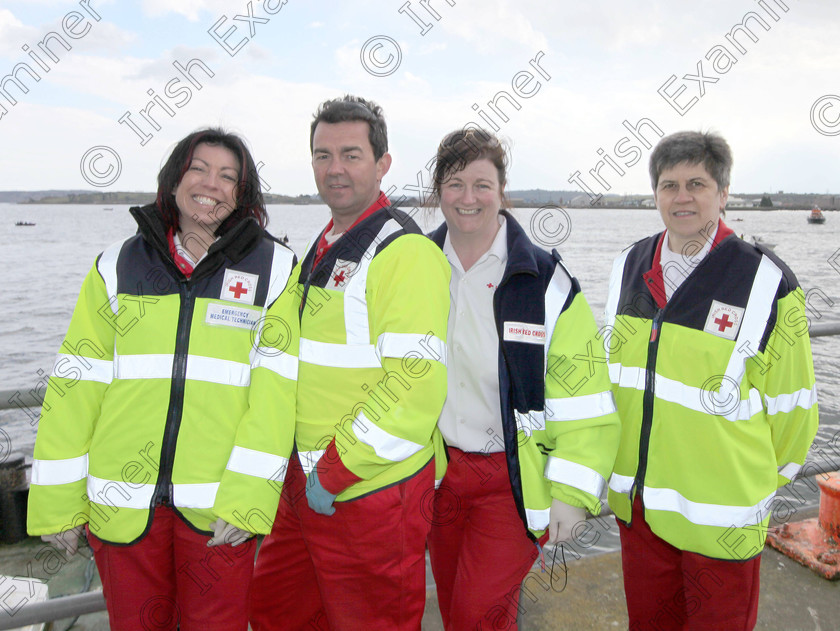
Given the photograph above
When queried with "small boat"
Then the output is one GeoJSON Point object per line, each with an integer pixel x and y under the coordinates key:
{"type": "Point", "coordinates": [24, 223]}
{"type": "Point", "coordinates": [816, 215]}
{"type": "Point", "coordinates": [757, 240]}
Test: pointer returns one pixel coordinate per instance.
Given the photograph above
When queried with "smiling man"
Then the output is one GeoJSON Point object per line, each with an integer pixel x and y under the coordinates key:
{"type": "Point", "coordinates": [348, 543]}
{"type": "Point", "coordinates": [714, 382]}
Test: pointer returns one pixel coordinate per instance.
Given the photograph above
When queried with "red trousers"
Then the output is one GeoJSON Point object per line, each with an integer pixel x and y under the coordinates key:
{"type": "Point", "coordinates": [171, 577]}
{"type": "Point", "coordinates": [478, 545]}
{"type": "Point", "coordinates": [364, 567]}
{"type": "Point", "coordinates": [670, 589]}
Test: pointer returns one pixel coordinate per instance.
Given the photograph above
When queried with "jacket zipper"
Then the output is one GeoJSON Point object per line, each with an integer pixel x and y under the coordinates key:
{"type": "Point", "coordinates": [650, 374]}
{"type": "Point", "coordinates": [164, 490]}
{"type": "Point", "coordinates": [508, 406]}
{"type": "Point", "coordinates": [647, 405]}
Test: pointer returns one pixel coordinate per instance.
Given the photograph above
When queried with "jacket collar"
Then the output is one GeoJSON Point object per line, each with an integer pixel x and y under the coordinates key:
{"type": "Point", "coordinates": [521, 257]}
{"type": "Point", "coordinates": [654, 279]}
{"type": "Point", "coordinates": [234, 244]}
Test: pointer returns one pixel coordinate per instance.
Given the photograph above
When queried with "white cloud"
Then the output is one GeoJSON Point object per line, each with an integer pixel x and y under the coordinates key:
{"type": "Point", "coordinates": [414, 84]}
{"type": "Point", "coordinates": [257, 52]}
{"type": "Point", "coordinates": [100, 36]}
{"type": "Point", "coordinates": [13, 34]}
{"type": "Point", "coordinates": [490, 26]}
{"type": "Point", "coordinates": [432, 47]}
{"type": "Point", "coordinates": [606, 61]}
{"type": "Point", "coordinates": [190, 9]}
{"type": "Point", "coordinates": [187, 8]}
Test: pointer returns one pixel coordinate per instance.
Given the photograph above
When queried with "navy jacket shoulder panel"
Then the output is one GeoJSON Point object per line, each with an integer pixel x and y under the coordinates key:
{"type": "Point", "coordinates": [789, 280]}
{"type": "Point", "coordinates": [725, 275]}
{"type": "Point", "coordinates": [144, 266]}
{"type": "Point", "coordinates": [409, 226]}
{"type": "Point", "coordinates": [353, 244]}
{"type": "Point", "coordinates": [438, 235]}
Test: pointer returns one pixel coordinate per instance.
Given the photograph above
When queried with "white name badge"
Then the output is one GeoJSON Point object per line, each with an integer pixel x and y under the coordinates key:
{"type": "Point", "coordinates": [524, 332]}
{"type": "Point", "coordinates": [226, 315]}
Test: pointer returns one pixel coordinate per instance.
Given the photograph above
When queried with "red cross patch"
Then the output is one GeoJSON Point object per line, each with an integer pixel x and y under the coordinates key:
{"type": "Point", "coordinates": [341, 274]}
{"type": "Point", "coordinates": [724, 320]}
{"type": "Point", "coordinates": [239, 287]}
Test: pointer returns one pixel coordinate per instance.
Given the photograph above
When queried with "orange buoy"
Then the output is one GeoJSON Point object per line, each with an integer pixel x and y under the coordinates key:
{"type": "Point", "coordinates": [830, 504]}
{"type": "Point", "coordinates": [815, 543]}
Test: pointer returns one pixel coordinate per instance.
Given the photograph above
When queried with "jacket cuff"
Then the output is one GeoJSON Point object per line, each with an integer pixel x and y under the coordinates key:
{"type": "Point", "coordinates": [332, 474]}
{"type": "Point", "coordinates": [580, 499]}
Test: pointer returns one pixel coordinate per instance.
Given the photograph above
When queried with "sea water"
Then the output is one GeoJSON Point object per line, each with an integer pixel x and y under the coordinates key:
{"type": "Point", "coordinates": [43, 267]}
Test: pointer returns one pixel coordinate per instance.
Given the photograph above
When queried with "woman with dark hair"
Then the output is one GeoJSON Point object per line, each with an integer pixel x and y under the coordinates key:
{"type": "Point", "coordinates": [527, 453]}
{"type": "Point", "coordinates": [145, 436]}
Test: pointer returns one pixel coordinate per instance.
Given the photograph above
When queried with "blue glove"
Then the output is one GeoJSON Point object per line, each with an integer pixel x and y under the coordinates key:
{"type": "Point", "coordinates": [320, 500]}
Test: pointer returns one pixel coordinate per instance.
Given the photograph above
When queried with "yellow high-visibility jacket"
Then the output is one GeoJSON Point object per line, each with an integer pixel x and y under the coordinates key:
{"type": "Point", "coordinates": [715, 391]}
{"type": "Point", "coordinates": [372, 371]}
{"type": "Point", "coordinates": [145, 401]}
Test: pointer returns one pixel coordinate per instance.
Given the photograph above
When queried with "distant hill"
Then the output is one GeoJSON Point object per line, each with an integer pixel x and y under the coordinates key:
{"type": "Point", "coordinates": [540, 197]}
{"type": "Point", "coordinates": [18, 197]}
{"type": "Point", "coordinates": [94, 198]}
{"type": "Point", "coordinates": [119, 197]}
{"type": "Point", "coordinates": [528, 198]}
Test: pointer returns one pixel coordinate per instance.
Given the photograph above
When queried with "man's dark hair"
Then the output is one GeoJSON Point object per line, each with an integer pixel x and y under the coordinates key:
{"type": "Point", "coordinates": [351, 108]}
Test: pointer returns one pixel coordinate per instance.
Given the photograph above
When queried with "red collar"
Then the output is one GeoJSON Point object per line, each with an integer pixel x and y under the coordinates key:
{"type": "Point", "coordinates": [180, 262]}
{"type": "Point", "coordinates": [654, 279]}
{"type": "Point", "coordinates": [323, 246]}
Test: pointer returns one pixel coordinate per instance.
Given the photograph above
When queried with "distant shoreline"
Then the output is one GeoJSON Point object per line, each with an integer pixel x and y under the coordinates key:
{"type": "Point", "coordinates": [605, 206]}
{"type": "Point", "coordinates": [533, 198]}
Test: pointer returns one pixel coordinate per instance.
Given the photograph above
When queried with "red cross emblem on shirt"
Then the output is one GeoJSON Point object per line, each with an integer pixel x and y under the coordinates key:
{"type": "Point", "coordinates": [238, 289]}
{"type": "Point", "coordinates": [723, 322]}
{"type": "Point", "coordinates": [339, 278]}
{"type": "Point", "coordinates": [490, 286]}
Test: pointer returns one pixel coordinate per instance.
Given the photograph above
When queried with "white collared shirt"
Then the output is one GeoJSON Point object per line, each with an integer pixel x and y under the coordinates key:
{"type": "Point", "coordinates": [676, 266]}
{"type": "Point", "coordinates": [471, 418]}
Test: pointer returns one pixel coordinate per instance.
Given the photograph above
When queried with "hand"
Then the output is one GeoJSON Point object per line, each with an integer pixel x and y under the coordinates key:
{"type": "Point", "coordinates": [67, 540]}
{"type": "Point", "coordinates": [320, 500]}
{"type": "Point", "coordinates": [224, 532]}
{"type": "Point", "coordinates": [562, 520]}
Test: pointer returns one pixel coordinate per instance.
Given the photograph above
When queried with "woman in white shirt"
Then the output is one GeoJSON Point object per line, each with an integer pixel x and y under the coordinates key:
{"type": "Point", "coordinates": [528, 447]}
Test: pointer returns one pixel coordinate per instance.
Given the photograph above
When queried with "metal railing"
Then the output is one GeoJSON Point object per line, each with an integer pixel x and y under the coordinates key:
{"type": "Point", "coordinates": [52, 609]}
{"type": "Point", "coordinates": [19, 399]}
{"type": "Point", "coordinates": [824, 329]}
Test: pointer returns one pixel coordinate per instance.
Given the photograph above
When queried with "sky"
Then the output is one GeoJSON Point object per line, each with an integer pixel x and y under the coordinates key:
{"type": "Point", "coordinates": [580, 91]}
